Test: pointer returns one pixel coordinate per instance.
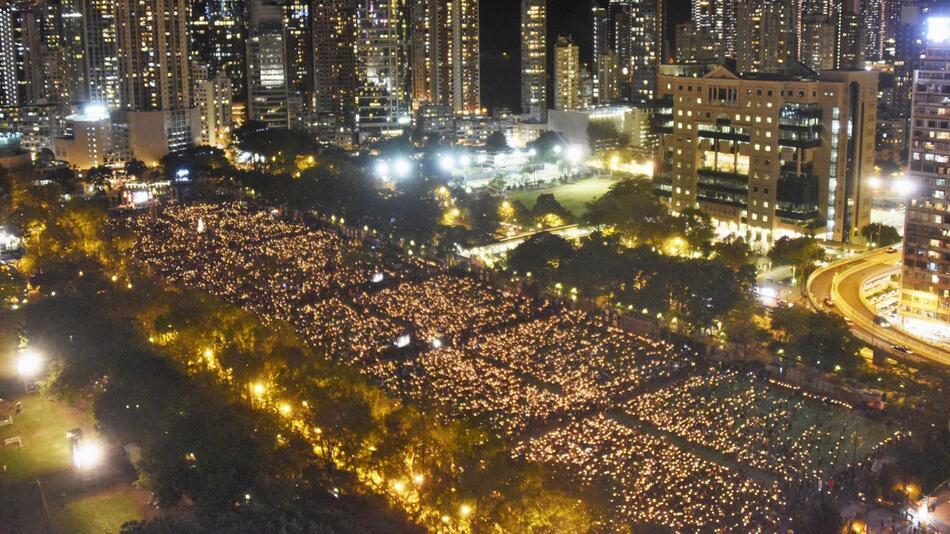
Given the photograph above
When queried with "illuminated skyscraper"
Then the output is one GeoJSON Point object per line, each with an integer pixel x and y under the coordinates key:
{"type": "Point", "coordinates": [155, 81]}
{"type": "Point", "coordinates": [102, 62]}
{"type": "Point", "coordinates": [444, 54]}
{"type": "Point", "coordinates": [534, 60]}
{"type": "Point", "coordinates": [567, 76]}
{"type": "Point", "coordinates": [714, 24]}
{"type": "Point", "coordinates": [636, 33]}
{"type": "Point", "coordinates": [382, 97]}
{"type": "Point", "coordinates": [849, 45]}
{"type": "Point", "coordinates": [602, 47]}
{"type": "Point", "coordinates": [334, 68]}
{"type": "Point", "coordinates": [766, 29]}
{"type": "Point", "coordinates": [270, 97]}
{"type": "Point", "coordinates": [925, 292]}
{"type": "Point", "coordinates": [298, 25]}
{"type": "Point", "coordinates": [217, 35]}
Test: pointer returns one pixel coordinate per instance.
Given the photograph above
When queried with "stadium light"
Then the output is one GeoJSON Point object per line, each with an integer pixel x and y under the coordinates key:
{"type": "Point", "coordinates": [938, 29]}
{"type": "Point", "coordinates": [382, 169]}
{"type": "Point", "coordinates": [574, 154]}
{"type": "Point", "coordinates": [403, 167]}
{"type": "Point", "coordinates": [447, 163]}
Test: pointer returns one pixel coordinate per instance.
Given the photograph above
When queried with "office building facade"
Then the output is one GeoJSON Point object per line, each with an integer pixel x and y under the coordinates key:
{"type": "Point", "coordinates": [769, 155]}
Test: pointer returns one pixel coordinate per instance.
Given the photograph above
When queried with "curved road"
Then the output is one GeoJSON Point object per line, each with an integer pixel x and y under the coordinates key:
{"type": "Point", "coordinates": [842, 282]}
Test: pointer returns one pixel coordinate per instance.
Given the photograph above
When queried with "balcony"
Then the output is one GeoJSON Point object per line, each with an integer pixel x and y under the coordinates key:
{"type": "Point", "coordinates": [722, 132]}
{"type": "Point", "coordinates": [704, 194]}
{"type": "Point", "coordinates": [725, 182]}
{"type": "Point", "coordinates": [797, 213]}
{"type": "Point", "coordinates": [800, 125]}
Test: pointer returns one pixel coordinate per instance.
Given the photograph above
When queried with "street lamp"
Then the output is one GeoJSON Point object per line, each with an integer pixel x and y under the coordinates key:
{"type": "Point", "coordinates": [29, 364]}
{"type": "Point", "coordinates": [87, 455]}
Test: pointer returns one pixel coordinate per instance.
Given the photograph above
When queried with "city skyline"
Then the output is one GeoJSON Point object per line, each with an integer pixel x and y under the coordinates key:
{"type": "Point", "coordinates": [474, 266]}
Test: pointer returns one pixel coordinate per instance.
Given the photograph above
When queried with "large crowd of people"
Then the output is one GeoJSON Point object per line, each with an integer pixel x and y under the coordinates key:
{"type": "Point", "coordinates": [745, 418]}
{"type": "Point", "coordinates": [536, 374]}
{"type": "Point", "coordinates": [651, 480]}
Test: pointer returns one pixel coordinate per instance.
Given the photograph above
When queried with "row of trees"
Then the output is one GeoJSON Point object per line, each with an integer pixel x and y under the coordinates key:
{"type": "Point", "coordinates": [229, 413]}
{"type": "Point", "coordinates": [698, 291]}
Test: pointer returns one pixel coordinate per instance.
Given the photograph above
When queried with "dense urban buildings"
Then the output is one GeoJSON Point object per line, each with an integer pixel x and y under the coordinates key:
{"type": "Point", "coordinates": [465, 266]}
{"type": "Point", "coordinates": [926, 274]}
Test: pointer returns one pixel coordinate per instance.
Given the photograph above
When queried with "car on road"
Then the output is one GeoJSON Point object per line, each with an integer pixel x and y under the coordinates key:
{"type": "Point", "coordinates": [891, 250]}
{"type": "Point", "coordinates": [902, 349]}
{"type": "Point", "coordinates": [882, 321]}
{"type": "Point", "coordinates": [830, 302]}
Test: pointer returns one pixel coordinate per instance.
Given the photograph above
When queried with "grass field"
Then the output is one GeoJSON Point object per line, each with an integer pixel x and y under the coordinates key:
{"type": "Point", "coordinates": [42, 428]}
{"type": "Point", "coordinates": [103, 512]}
{"type": "Point", "coordinates": [41, 470]}
{"type": "Point", "coordinates": [573, 196]}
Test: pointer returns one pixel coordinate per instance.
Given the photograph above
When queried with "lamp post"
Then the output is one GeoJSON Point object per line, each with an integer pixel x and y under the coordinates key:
{"type": "Point", "coordinates": [29, 365]}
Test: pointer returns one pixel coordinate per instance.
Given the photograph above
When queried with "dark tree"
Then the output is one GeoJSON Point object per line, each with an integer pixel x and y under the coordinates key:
{"type": "Point", "coordinates": [496, 142]}
{"type": "Point", "coordinates": [799, 253]}
{"type": "Point", "coordinates": [136, 168]}
{"type": "Point", "coordinates": [822, 340]}
{"type": "Point", "coordinates": [880, 235]}
{"type": "Point", "coordinates": [733, 251]}
{"type": "Point", "coordinates": [541, 255]}
{"type": "Point", "coordinates": [629, 206]}
{"type": "Point", "coordinates": [546, 205]}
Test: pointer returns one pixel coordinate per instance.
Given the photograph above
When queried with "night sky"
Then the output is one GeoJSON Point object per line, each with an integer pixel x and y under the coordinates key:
{"type": "Point", "coordinates": [501, 49]}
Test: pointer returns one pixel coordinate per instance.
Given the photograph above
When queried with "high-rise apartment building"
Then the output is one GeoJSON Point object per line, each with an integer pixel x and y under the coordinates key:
{"type": "Point", "coordinates": [637, 37]}
{"type": "Point", "coordinates": [925, 285]}
{"type": "Point", "coordinates": [818, 41]}
{"type": "Point", "coordinates": [334, 69]}
{"type": "Point", "coordinates": [768, 155]}
{"type": "Point", "coordinates": [271, 99]}
{"type": "Point", "coordinates": [445, 54]}
{"type": "Point", "coordinates": [64, 51]}
{"type": "Point", "coordinates": [909, 39]}
{"type": "Point", "coordinates": [22, 72]}
{"type": "Point", "coordinates": [212, 118]}
{"type": "Point", "coordinates": [101, 51]}
{"type": "Point", "coordinates": [601, 48]}
{"type": "Point", "coordinates": [534, 60]}
{"type": "Point", "coordinates": [766, 31]}
{"type": "Point", "coordinates": [382, 88]}
{"type": "Point", "coordinates": [217, 35]}
{"type": "Point", "coordinates": [154, 75]}
{"type": "Point", "coordinates": [298, 25]}
{"type": "Point", "coordinates": [849, 45]}
{"type": "Point", "coordinates": [568, 76]}
{"type": "Point", "coordinates": [713, 25]}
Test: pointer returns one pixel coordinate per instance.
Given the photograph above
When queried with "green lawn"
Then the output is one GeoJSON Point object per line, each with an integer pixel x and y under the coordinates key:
{"type": "Point", "coordinates": [42, 427]}
{"type": "Point", "coordinates": [45, 457]}
{"type": "Point", "coordinates": [573, 196]}
{"type": "Point", "coordinates": [100, 513]}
